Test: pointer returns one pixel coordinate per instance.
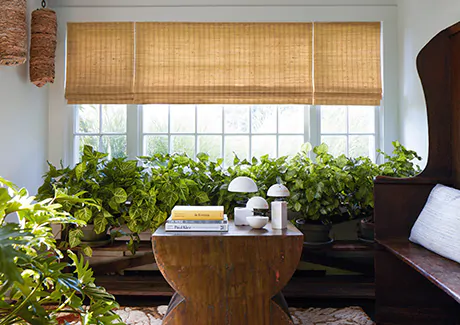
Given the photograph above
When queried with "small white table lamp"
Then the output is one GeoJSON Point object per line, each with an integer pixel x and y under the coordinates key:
{"type": "Point", "coordinates": [258, 203]}
{"type": "Point", "coordinates": [242, 184]}
{"type": "Point", "coordinates": [279, 206]}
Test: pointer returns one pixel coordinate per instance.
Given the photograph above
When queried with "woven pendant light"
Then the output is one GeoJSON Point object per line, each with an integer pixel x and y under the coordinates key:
{"type": "Point", "coordinates": [42, 46]}
{"type": "Point", "coordinates": [13, 32]}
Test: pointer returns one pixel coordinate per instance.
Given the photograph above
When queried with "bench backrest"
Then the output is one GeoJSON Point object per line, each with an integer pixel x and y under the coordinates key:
{"type": "Point", "coordinates": [398, 202]}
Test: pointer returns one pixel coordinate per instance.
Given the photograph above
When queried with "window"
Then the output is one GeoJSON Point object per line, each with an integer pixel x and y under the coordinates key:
{"type": "Point", "coordinates": [349, 130]}
{"type": "Point", "coordinates": [222, 130]}
{"type": "Point", "coordinates": [102, 126]}
{"type": "Point", "coordinates": [320, 63]}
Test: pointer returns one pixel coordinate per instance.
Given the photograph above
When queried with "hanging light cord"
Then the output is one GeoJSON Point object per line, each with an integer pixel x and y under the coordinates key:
{"type": "Point", "coordinates": [43, 4]}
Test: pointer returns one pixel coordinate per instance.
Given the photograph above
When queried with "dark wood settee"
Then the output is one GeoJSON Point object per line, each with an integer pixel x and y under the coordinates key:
{"type": "Point", "coordinates": [414, 285]}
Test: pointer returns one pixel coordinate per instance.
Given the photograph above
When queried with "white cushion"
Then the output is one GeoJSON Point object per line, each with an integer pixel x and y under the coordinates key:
{"type": "Point", "coordinates": [438, 225]}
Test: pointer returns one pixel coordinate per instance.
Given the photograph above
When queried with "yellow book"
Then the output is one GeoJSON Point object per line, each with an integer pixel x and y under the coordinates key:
{"type": "Point", "coordinates": [188, 212]}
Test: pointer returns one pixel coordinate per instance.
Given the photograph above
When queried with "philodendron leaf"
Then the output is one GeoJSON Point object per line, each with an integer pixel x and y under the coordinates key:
{"type": "Point", "coordinates": [297, 206]}
{"type": "Point", "coordinates": [321, 149]}
{"type": "Point", "coordinates": [84, 214]}
{"type": "Point", "coordinates": [201, 197]}
{"type": "Point", "coordinates": [119, 195]}
{"type": "Point", "coordinates": [100, 223]}
{"type": "Point", "coordinates": [79, 170]}
{"type": "Point", "coordinates": [306, 147]}
{"type": "Point", "coordinates": [88, 251]}
{"type": "Point", "coordinates": [75, 236]}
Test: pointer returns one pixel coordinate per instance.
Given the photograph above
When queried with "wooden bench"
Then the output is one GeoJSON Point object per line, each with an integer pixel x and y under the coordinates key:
{"type": "Point", "coordinates": [414, 285]}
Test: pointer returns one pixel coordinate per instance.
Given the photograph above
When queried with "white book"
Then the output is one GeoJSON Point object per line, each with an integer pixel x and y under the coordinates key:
{"type": "Point", "coordinates": [196, 227]}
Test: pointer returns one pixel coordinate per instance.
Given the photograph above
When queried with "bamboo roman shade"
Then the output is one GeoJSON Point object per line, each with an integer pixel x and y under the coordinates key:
{"type": "Point", "coordinates": [347, 64]}
{"type": "Point", "coordinates": [223, 63]}
{"type": "Point", "coordinates": [100, 63]}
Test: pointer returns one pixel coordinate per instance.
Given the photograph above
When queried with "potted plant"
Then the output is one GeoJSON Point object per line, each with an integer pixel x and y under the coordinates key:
{"type": "Point", "coordinates": [95, 191]}
{"type": "Point", "coordinates": [317, 191]}
{"type": "Point", "coordinates": [400, 164]}
{"type": "Point", "coordinates": [34, 287]}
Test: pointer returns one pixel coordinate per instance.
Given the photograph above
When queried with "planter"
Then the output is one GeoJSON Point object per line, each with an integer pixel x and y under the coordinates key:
{"type": "Point", "coordinates": [366, 230]}
{"type": "Point", "coordinates": [314, 233]}
{"type": "Point", "coordinates": [91, 238]}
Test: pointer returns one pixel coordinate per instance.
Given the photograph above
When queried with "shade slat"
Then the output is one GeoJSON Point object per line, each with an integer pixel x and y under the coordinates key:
{"type": "Point", "coordinates": [223, 63]}
{"type": "Point", "coordinates": [347, 63]}
{"type": "Point", "coordinates": [100, 63]}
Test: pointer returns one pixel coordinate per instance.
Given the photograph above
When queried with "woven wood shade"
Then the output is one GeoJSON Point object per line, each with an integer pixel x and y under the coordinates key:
{"type": "Point", "coordinates": [42, 46]}
{"type": "Point", "coordinates": [100, 63]}
{"type": "Point", "coordinates": [13, 32]}
{"type": "Point", "coordinates": [224, 63]}
{"type": "Point", "coordinates": [347, 64]}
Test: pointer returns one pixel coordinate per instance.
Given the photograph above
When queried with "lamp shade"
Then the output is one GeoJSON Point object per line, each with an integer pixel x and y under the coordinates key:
{"type": "Point", "coordinates": [42, 46]}
{"type": "Point", "coordinates": [278, 190]}
{"type": "Point", "coordinates": [257, 202]}
{"type": "Point", "coordinates": [242, 184]}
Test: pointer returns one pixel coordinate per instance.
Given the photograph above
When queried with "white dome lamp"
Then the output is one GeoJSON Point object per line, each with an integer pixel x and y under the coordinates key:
{"type": "Point", "coordinates": [259, 217]}
{"type": "Point", "coordinates": [258, 205]}
{"type": "Point", "coordinates": [242, 184]}
{"type": "Point", "coordinates": [279, 206]}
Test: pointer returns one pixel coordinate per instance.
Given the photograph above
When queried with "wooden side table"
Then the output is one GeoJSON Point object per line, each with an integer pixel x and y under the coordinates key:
{"type": "Point", "coordinates": [232, 278]}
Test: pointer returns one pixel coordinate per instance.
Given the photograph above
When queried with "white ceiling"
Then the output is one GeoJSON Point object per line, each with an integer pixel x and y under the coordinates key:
{"type": "Point", "coordinates": [214, 3]}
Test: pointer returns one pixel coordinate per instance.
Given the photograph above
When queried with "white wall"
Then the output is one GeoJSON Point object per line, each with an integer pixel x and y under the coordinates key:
{"type": "Point", "coordinates": [419, 21]}
{"type": "Point", "coordinates": [23, 125]}
{"type": "Point", "coordinates": [60, 139]}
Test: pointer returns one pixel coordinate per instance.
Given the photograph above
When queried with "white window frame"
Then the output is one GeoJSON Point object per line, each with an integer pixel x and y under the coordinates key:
{"type": "Point", "coordinates": [135, 134]}
{"type": "Point", "coordinates": [376, 133]}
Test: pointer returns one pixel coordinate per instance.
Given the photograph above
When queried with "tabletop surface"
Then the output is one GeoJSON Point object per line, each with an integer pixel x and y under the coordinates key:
{"type": "Point", "coordinates": [234, 231]}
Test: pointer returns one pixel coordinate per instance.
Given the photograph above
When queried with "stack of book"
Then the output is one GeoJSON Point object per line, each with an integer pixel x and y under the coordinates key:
{"type": "Point", "coordinates": [197, 218]}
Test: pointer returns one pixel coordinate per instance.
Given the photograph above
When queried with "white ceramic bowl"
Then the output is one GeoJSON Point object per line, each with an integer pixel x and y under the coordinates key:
{"type": "Point", "coordinates": [257, 222]}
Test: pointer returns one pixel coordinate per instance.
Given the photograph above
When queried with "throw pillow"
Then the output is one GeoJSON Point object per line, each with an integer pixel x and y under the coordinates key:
{"type": "Point", "coordinates": [438, 226]}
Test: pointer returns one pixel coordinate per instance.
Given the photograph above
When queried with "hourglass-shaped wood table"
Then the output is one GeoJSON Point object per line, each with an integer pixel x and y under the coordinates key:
{"type": "Point", "coordinates": [231, 278]}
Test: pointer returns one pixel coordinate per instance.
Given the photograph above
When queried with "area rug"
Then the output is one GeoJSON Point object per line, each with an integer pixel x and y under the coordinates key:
{"type": "Point", "coordinates": [310, 316]}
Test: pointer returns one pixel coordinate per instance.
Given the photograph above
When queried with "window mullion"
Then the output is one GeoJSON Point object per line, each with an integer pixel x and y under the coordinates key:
{"type": "Point", "coordinates": [223, 132]}
{"type": "Point", "coordinates": [134, 140]}
{"type": "Point", "coordinates": [169, 129]}
{"type": "Point", "coordinates": [75, 144]}
{"type": "Point", "coordinates": [250, 133]}
{"type": "Point", "coordinates": [100, 128]}
{"type": "Point", "coordinates": [313, 125]}
{"type": "Point", "coordinates": [196, 131]}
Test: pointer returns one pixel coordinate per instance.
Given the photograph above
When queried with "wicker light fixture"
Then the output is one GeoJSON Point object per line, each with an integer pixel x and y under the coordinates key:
{"type": "Point", "coordinates": [43, 46]}
{"type": "Point", "coordinates": [13, 32]}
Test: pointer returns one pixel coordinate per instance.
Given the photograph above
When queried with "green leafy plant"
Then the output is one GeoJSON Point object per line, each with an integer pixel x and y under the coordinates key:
{"type": "Point", "coordinates": [141, 194]}
{"type": "Point", "coordinates": [335, 189]}
{"type": "Point", "coordinates": [318, 189]}
{"type": "Point", "coordinates": [99, 192]}
{"type": "Point", "coordinates": [34, 286]}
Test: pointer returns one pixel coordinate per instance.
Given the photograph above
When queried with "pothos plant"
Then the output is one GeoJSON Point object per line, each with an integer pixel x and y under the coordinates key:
{"type": "Point", "coordinates": [335, 189]}
{"type": "Point", "coordinates": [318, 189]}
{"type": "Point", "coordinates": [34, 288]}
{"type": "Point", "coordinates": [98, 192]}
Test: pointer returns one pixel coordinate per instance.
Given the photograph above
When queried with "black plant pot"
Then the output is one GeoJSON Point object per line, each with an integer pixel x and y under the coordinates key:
{"type": "Point", "coordinates": [314, 233]}
{"type": "Point", "coordinates": [366, 230]}
{"type": "Point", "coordinates": [92, 239]}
